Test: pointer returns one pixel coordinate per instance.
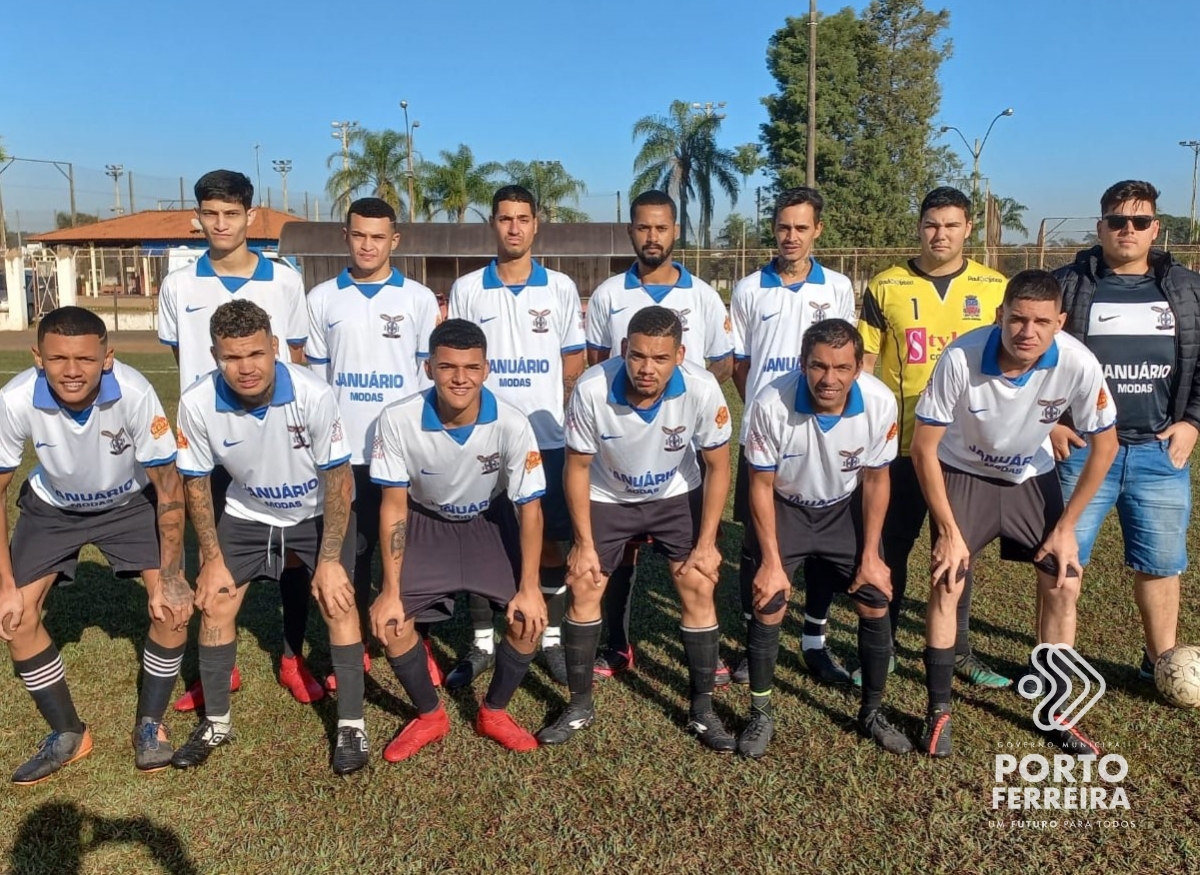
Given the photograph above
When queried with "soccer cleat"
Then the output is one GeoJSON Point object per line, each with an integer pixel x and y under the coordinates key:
{"type": "Point", "coordinates": [613, 662]}
{"type": "Point", "coordinates": [712, 733]}
{"type": "Point", "coordinates": [935, 734]}
{"type": "Point", "coordinates": [554, 658]}
{"type": "Point", "coordinates": [350, 750]}
{"type": "Point", "coordinates": [1071, 740]}
{"type": "Point", "coordinates": [974, 671]}
{"type": "Point", "coordinates": [193, 698]}
{"type": "Point", "coordinates": [152, 750]}
{"type": "Point", "coordinates": [822, 666]}
{"type": "Point", "coordinates": [205, 738]}
{"type": "Point", "coordinates": [756, 735]}
{"type": "Point", "coordinates": [471, 666]}
{"type": "Point", "coordinates": [721, 675]}
{"type": "Point", "coordinates": [741, 674]}
{"type": "Point", "coordinates": [56, 750]}
{"type": "Point", "coordinates": [573, 718]}
{"type": "Point", "coordinates": [499, 726]}
{"type": "Point", "coordinates": [299, 681]}
{"type": "Point", "coordinates": [856, 675]}
{"type": "Point", "coordinates": [331, 678]}
{"type": "Point", "coordinates": [875, 726]}
{"type": "Point", "coordinates": [1146, 669]}
{"type": "Point", "coordinates": [421, 730]}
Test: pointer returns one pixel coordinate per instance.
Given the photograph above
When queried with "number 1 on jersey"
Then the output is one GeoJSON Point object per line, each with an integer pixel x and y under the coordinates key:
{"type": "Point", "coordinates": [916, 315]}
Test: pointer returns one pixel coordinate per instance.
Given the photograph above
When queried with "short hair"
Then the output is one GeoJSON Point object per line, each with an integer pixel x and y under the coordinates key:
{"type": "Point", "coordinates": [1032, 285]}
{"type": "Point", "coordinates": [225, 185]}
{"type": "Point", "coordinates": [831, 332]}
{"type": "Point", "coordinates": [371, 208]}
{"type": "Point", "coordinates": [518, 193]}
{"type": "Point", "coordinates": [1128, 190]}
{"type": "Point", "coordinates": [798, 196]}
{"type": "Point", "coordinates": [657, 322]}
{"type": "Point", "coordinates": [946, 196]}
{"type": "Point", "coordinates": [72, 322]}
{"type": "Point", "coordinates": [457, 334]}
{"type": "Point", "coordinates": [238, 318]}
{"type": "Point", "coordinates": [653, 198]}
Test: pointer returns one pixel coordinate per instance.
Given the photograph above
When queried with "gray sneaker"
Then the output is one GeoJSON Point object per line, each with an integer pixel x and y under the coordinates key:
{"type": "Point", "coordinates": [152, 749]}
{"type": "Point", "coordinates": [875, 726]}
{"type": "Point", "coordinates": [55, 751]}
{"type": "Point", "coordinates": [757, 735]}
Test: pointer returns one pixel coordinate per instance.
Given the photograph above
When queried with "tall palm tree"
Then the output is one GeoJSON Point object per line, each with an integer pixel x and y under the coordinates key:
{"type": "Point", "coordinates": [679, 154]}
{"type": "Point", "coordinates": [458, 185]}
{"type": "Point", "coordinates": [1012, 215]}
{"type": "Point", "coordinates": [747, 160]}
{"type": "Point", "coordinates": [550, 185]}
{"type": "Point", "coordinates": [377, 163]}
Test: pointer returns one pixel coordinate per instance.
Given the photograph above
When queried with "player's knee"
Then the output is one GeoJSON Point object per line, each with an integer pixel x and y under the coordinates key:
{"type": "Point", "coordinates": [944, 597]}
{"type": "Point", "coordinates": [871, 611]}
{"type": "Point", "coordinates": [339, 619]}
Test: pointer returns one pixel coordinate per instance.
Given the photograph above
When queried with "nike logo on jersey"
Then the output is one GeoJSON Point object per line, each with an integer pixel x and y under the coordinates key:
{"type": "Point", "coordinates": [610, 437]}
{"type": "Point", "coordinates": [193, 309]}
{"type": "Point", "coordinates": [39, 444]}
{"type": "Point", "coordinates": [1109, 318]}
{"type": "Point", "coordinates": [486, 319]}
{"type": "Point", "coordinates": [228, 443]}
{"type": "Point", "coordinates": [976, 409]}
{"type": "Point", "coordinates": [613, 311]}
{"type": "Point", "coordinates": [329, 325]}
{"type": "Point", "coordinates": [430, 473]}
{"type": "Point", "coordinates": [770, 315]}
{"type": "Point", "coordinates": [792, 455]}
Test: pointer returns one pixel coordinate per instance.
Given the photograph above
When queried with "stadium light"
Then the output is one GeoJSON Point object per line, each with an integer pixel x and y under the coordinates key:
{"type": "Point", "coordinates": [408, 137]}
{"type": "Point", "coordinates": [977, 150]}
{"type": "Point", "coordinates": [1194, 145]}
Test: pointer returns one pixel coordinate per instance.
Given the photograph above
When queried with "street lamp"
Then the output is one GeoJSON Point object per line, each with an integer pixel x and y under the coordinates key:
{"type": "Point", "coordinates": [283, 167]}
{"type": "Point", "coordinates": [257, 173]}
{"type": "Point", "coordinates": [342, 131]}
{"type": "Point", "coordinates": [115, 171]}
{"type": "Point", "coordinates": [1194, 145]}
{"type": "Point", "coordinates": [408, 137]}
{"type": "Point", "coordinates": [977, 151]}
{"type": "Point", "coordinates": [710, 109]}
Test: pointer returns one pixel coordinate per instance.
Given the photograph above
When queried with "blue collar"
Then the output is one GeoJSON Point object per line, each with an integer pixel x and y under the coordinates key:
{"type": "Point", "coordinates": [854, 401]}
{"type": "Point", "coordinates": [989, 365]}
{"type": "Point", "coordinates": [430, 421]}
{"type": "Point", "coordinates": [43, 398]}
{"type": "Point", "coordinates": [537, 276]}
{"type": "Point", "coordinates": [370, 290]}
{"type": "Point", "coordinates": [264, 271]}
{"type": "Point", "coordinates": [634, 281]}
{"type": "Point", "coordinates": [228, 401]}
{"type": "Point", "coordinates": [618, 392]}
{"type": "Point", "coordinates": [771, 279]}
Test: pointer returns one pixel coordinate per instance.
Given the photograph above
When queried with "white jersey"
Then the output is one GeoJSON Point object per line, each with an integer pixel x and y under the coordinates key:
{"type": "Point", "coordinates": [818, 458]}
{"type": "Point", "coordinates": [529, 329]}
{"type": "Point", "coordinates": [706, 328]}
{"type": "Point", "coordinates": [91, 460]}
{"type": "Point", "coordinates": [272, 453]}
{"type": "Point", "coordinates": [190, 295]}
{"type": "Point", "coordinates": [769, 318]}
{"type": "Point", "coordinates": [1000, 427]}
{"type": "Point", "coordinates": [645, 454]}
{"type": "Point", "coordinates": [457, 472]}
{"type": "Point", "coordinates": [372, 340]}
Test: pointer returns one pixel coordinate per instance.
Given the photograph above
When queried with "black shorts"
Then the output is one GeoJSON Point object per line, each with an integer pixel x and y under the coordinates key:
{"type": "Point", "coordinates": [47, 539]}
{"type": "Point", "coordinates": [257, 551]}
{"type": "Point", "coordinates": [741, 489]}
{"type": "Point", "coordinates": [906, 509]}
{"type": "Point", "coordinates": [1021, 515]}
{"type": "Point", "coordinates": [556, 519]}
{"type": "Point", "coordinates": [368, 496]}
{"type": "Point", "coordinates": [672, 523]}
{"type": "Point", "coordinates": [442, 557]}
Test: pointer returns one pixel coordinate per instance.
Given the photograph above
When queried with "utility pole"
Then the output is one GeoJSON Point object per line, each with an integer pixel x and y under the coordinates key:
{"type": "Point", "coordinates": [1194, 145]}
{"type": "Point", "coordinates": [342, 131]}
{"type": "Point", "coordinates": [810, 165]}
{"type": "Point", "coordinates": [283, 167]}
{"type": "Point", "coordinates": [132, 208]}
{"type": "Point", "coordinates": [257, 173]}
{"type": "Point", "coordinates": [409, 131]}
{"type": "Point", "coordinates": [618, 207]}
{"type": "Point", "coordinates": [115, 171]}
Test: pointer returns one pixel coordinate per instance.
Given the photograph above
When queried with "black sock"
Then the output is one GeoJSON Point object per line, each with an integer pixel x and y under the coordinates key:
{"type": "Point", "coordinates": [216, 665]}
{"type": "Point", "coordinates": [412, 670]}
{"type": "Point", "coordinates": [618, 596]}
{"type": "Point", "coordinates": [818, 598]}
{"type": "Point", "coordinates": [939, 674]}
{"type": "Point", "coordinates": [45, 679]}
{"type": "Point", "coordinates": [347, 662]}
{"type": "Point", "coordinates": [962, 643]}
{"type": "Point", "coordinates": [874, 651]}
{"type": "Point", "coordinates": [580, 641]}
{"type": "Point", "coordinates": [511, 666]}
{"type": "Point", "coordinates": [701, 647]}
{"type": "Point", "coordinates": [896, 556]}
{"type": "Point", "coordinates": [293, 594]}
{"type": "Point", "coordinates": [160, 668]}
{"type": "Point", "coordinates": [554, 590]}
{"type": "Point", "coordinates": [762, 651]}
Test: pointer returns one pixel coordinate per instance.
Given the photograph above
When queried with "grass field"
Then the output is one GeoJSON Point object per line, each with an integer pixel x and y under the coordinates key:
{"type": "Point", "coordinates": [632, 794]}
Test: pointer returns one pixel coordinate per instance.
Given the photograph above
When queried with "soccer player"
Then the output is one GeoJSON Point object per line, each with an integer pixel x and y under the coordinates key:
{"type": "Point", "coordinates": [369, 329]}
{"type": "Point", "coordinates": [635, 427]}
{"type": "Point", "coordinates": [984, 463]}
{"type": "Point", "coordinates": [1138, 310]}
{"type": "Point", "coordinates": [819, 444]}
{"type": "Point", "coordinates": [534, 327]}
{"type": "Point", "coordinates": [771, 308]}
{"type": "Point", "coordinates": [230, 270]}
{"type": "Point", "coordinates": [653, 279]}
{"type": "Point", "coordinates": [276, 429]}
{"type": "Point", "coordinates": [910, 314]}
{"type": "Point", "coordinates": [453, 461]}
{"type": "Point", "coordinates": [105, 476]}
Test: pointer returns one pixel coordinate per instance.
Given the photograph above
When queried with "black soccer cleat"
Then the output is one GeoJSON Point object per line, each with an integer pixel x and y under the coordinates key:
{"type": "Point", "coordinates": [350, 750]}
{"type": "Point", "coordinates": [56, 750]}
{"type": "Point", "coordinates": [875, 726]}
{"type": "Point", "coordinates": [1072, 741]}
{"type": "Point", "coordinates": [822, 666]}
{"type": "Point", "coordinates": [471, 666]}
{"type": "Point", "coordinates": [205, 738]}
{"type": "Point", "coordinates": [756, 735]}
{"type": "Point", "coordinates": [554, 658]}
{"type": "Point", "coordinates": [935, 734]}
{"type": "Point", "coordinates": [573, 718]}
{"type": "Point", "coordinates": [707, 727]}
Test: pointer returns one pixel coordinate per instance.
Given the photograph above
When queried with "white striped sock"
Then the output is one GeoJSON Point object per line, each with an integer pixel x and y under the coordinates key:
{"type": "Point", "coordinates": [44, 676]}
{"type": "Point", "coordinates": [159, 667]}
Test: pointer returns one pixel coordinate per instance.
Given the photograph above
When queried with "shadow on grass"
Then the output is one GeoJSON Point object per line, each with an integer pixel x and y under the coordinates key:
{"type": "Point", "coordinates": [56, 837]}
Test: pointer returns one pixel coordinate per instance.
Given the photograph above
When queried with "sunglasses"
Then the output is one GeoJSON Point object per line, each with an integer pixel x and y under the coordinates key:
{"type": "Point", "coordinates": [1117, 222]}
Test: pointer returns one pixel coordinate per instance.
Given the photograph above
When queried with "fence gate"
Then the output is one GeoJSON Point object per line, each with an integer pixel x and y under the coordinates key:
{"type": "Point", "coordinates": [44, 292]}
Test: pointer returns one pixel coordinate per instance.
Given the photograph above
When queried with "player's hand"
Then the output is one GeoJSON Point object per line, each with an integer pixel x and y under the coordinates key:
{"type": "Point", "coordinates": [1063, 549]}
{"type": "Point", "coordinates": [583, 566]}
{"type": "Point", "coordinates": [214, 582]}
{"type": "Point", "coordinates": [332, 589]}
{"type": "Point", "coordinates": [387, 617]}
{"type": "Point", "coordinates": [12, 609]}
{"type": "Point", "coordinates": [950, 560]}
{"type": "Point", "coordinates": [1062, 439]}
{"type": "Point", "coordinates": [771, 587]}
{"type": "Point", "coordinates": [171, 601]}
{"type": "Point", "coordinates": [874, 571]}
{"type": "Point", "coordinates": [1181, 437]}
{"type": "Point", "coordinates": [706, 559]}
{"type": "Point", "coordinates": [527, 613]}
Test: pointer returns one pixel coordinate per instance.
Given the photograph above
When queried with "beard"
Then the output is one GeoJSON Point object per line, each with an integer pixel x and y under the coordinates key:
{"type": "Point", "coordinates": [657, 259]}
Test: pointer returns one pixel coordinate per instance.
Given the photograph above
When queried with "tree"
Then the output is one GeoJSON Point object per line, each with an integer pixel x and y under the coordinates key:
{"type": "Point", "coordinates": [1012, 215]}
{"type": "Point", "coordinates": [736, 233]}
{"type": "Point", "coordinates": [550, 185]}
{"type": "Point", "coordinates": [63, 220]}
{"type": "Point", "coordinates": [458, 185]}
{"type": "Point", "coordinates": [680, 155]}
{"type": "Point", "coordinates": [747, 160]}
{"type": "Point", "coordinates": [377, 164]}
{"type": "Point", "coordinates": [1174, 230]}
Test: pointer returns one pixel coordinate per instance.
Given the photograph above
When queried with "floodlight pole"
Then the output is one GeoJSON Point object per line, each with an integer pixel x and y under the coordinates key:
{"type": "Point", "coordinates": [1194, 145]}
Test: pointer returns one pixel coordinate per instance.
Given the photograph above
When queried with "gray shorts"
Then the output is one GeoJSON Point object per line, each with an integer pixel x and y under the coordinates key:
{"type": "Point", "coordinates": [257, 551]}
{"type": "Point", "coordinates": [47, 539]}
{"type": "Point", "coordinates": [672, 523]}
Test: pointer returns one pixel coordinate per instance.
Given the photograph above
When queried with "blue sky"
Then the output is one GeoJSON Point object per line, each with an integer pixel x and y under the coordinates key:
{"type": "Point", "coordinates": [1102, 90]}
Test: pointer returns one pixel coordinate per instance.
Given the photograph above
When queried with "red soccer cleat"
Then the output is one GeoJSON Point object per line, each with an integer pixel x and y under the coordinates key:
{"type": "Point", "coordinates": [435, 670]}
{"type": "Point", "coordinates": [331, 678]}
{"type": "Point", "coordinates": [501, 728]}
{"type": "Point", "coordinates": [294, 675]}
{"type": "Point", "coordinates": [418, 732]}
{"type": "Point", "coordinates": [194, 697]}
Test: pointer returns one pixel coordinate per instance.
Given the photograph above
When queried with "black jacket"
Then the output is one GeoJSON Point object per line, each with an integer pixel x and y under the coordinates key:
{"type": "Point", "coordinates": [1180, 286]}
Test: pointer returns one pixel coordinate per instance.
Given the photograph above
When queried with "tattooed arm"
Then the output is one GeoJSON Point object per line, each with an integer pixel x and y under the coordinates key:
{"type": "Point", "coordinates": [214, 580]}
{"type": "Point", "coordinates": [573, 365]}
{"type": "Point", "coordinates": [173, 592]}
{"type": "Point", "coordinates": [331, 583]}
{"type": "Point", "coordinates": [387, 613]}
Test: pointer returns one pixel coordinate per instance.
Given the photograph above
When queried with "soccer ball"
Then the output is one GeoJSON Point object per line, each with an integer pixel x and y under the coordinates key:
{"type": "Point", "coordinates": [1177, 676]}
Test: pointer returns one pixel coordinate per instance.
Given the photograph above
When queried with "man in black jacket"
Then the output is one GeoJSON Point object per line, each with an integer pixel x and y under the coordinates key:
{"type": "Point", "coordinates": [1138, 310]}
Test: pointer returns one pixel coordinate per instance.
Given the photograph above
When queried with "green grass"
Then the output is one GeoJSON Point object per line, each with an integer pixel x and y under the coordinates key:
{"type": "Point", "coordinates": [632, 794]}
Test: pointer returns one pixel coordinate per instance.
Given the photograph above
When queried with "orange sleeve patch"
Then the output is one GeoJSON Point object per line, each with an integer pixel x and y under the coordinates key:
{"type": "Point", "coordinates": [1102, 399]}
{"type": "Point", "coordinates": [159, 426]}
{"type": "Point", "coordinates": [892, 432]}
{"type": "Point", "coordinates": [181, 441]}
{"type": "Point", "coordinates": [722, 417]}
{"type": "Point", "coordinates": [532, 460]}
{"type": "Point", "coordinates": [728, 324]}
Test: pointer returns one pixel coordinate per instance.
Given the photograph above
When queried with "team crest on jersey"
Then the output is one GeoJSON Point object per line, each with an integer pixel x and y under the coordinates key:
{"type": "Point", "coordinates": [159, 426]}
{"type": "Point", "coordinates": [532, 460]}
{"type": "Point", "coordinates": [728, 324]}
{"type": "Point", "coordinates": [1051, 410]}
{"type": "Point", "coordinates": [893, 431]}
{"type": "Point", "coordinates": [299, 441]}
{"type": "Point", "coordinates": [335, 433]}
{"type": "Point", "coordinates": [850, 458]}
{"type": "Point", "coordinates": [491, 464]}
{"type": "Point", "coordinates": [391, 324]}
{"type": "Point", "coordinates": [1102, 399]}
{"type": "Point", "coordinates": [675, 441]}
{"type": "Point", "coordinates": [682, 314]}
{"type": "Point", "coordinates": [541, 325]}
{"type": "Point", "coordinates": [1166, 318]}
{"type": "Point", "coordinates": [117, 442]}
{"type": "Point", "coordinates": [820, 311]}
{"type": "Point", "coordinates": [722, 416]}
{"type": "Point", "coordinates": [971, 308]}
{"type": "Point", "coordinates": [181, 441]}
{"type": "Point", "coordinates": [755, 441]}
{"type": "Point", "coordinates": [377, 447]}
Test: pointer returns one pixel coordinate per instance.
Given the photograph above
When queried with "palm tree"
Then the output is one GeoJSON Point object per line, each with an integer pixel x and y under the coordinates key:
{"type": "Point", "coordinates": [680, 155]}
{"type": "Point", "coordinates": [377, 163]}
{"type": "Point", "coordinates": [458, 185]}
{"type": "Point", "coordinates": [1012, 215]}
{"type": "Point", "coordinates": [550, 185]}
{"type": "Point", "coordinates": [747, 161]}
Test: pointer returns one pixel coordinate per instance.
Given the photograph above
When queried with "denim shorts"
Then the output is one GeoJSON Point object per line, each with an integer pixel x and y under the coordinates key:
{"type": "Point", "coordinates": [1153, 499]}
